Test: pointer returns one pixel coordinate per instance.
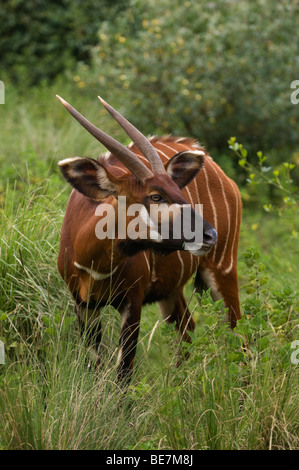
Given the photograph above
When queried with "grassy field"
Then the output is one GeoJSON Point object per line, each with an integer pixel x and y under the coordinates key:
{"type": "Point", "coordinates": [51, 396]}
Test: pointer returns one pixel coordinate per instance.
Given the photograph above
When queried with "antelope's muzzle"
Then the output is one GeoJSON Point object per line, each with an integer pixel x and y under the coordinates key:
{"type": "Point", "coordinates": [204, 235]}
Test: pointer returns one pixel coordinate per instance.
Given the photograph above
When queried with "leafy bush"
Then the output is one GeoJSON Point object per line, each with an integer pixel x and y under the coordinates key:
{"type": "Point", "coordinates": [40, 39]}
{"type": "Point", "coordinates": [202, 69]}
{"type": "Point", "coordinates": [276, 184]}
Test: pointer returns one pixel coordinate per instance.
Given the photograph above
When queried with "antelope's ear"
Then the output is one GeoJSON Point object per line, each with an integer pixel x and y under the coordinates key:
{"type": "Point", "coordinates": [184, 166]}
{"type": "Point", "coordinates": [89, 177]}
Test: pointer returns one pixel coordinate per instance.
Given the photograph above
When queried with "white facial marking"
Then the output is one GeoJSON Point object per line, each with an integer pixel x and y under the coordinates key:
{"type": "Point", "coordinates": [154, 235]}
{"type": "Point", "coordinates": [66, 161]}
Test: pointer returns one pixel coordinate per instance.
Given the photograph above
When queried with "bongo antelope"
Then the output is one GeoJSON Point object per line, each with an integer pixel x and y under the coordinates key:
{"type": "Point", "coordinates": [128, 273]}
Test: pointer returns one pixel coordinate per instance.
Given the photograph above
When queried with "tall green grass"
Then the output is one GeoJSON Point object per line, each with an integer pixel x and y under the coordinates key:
{"type": "Point", "coordinates": [53, 397]}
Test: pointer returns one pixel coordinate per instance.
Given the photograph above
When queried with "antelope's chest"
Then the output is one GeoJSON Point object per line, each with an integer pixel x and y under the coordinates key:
{"type": "Point", "coordinates": [168, 274]}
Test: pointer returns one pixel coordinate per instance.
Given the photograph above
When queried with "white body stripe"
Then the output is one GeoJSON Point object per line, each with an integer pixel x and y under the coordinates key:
{"type": "Point", "coordinates": [168, 158]}
{"type": "Point", "coordinates": [215, 223]}
{"type": "Point", "coordinates": [224, 251]}
{"type": "Point", "coordinates": [142, 157]}
{"type": "Point", "coordinates": [94, 274]}
{"type": "Point", "coordinates": [170, 148]}
{"type": "Point", "coordinates": [189, 194]}
{"type": "Point", "coordinates": [147, 262]}
{"type": "Point", "coordinates": [191, 264]}
{"type": "Point", "coordinates": [196, 189]}
{"type": "Point", "coordinates": [153, 261]}
{"type": "Point", "coordinates": [162, 153]}
{"type": "Point", "coordinates": [235, 232]}
{"type": "Point", "coordinates": [121, 169]}
{"type": "Point", "coordinates": [182, 268]}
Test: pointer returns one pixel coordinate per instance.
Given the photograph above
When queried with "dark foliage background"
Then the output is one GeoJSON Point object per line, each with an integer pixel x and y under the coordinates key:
{"type": "Point", "coordinates": [40, 39]}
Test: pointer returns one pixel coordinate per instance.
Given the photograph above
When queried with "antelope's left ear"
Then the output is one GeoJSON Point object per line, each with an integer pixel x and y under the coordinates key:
{"type": "Point", "coordinates": [184, 166]}
{"type": "Point", "coordinates": [89, 177]}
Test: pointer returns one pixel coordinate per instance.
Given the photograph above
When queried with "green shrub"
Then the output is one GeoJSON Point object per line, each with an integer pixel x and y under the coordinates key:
{"type": "Point", "coordinates": [202, 69]}
{"type": "Point", "coordinates": [270, 187]}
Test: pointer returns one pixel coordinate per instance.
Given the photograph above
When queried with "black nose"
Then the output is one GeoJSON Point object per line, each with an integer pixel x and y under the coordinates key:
{"type": "Point", "coordinates": [210, 237]}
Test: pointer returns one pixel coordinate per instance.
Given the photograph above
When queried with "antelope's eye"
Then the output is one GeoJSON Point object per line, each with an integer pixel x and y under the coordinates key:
{"type": "Point", "coordinates": [156, 197]}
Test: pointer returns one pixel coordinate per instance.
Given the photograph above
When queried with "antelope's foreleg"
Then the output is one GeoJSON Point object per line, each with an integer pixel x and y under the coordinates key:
{"type": "Point", "coordinates": [130, 314]}
{"type": "Point", "coordinates": [90, 326]}
{"type": "Point", "coordinates": [174, 309]}
{"type": "Point", "coordinates": [224, 285]}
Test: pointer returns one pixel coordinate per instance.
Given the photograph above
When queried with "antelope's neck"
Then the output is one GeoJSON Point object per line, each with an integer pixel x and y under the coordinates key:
{"type": "Point", "coordinates": [96, 244]}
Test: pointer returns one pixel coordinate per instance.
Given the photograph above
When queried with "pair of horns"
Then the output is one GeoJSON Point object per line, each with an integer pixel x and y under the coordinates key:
{"type": "Point", "coordinates": [122, 153]}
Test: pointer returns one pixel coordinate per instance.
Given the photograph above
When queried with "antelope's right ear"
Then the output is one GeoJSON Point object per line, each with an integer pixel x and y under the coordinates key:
{"type": "Point", "coordinates": [89, 177]}
{"type": "Point", "coordinates": [184, 166]}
